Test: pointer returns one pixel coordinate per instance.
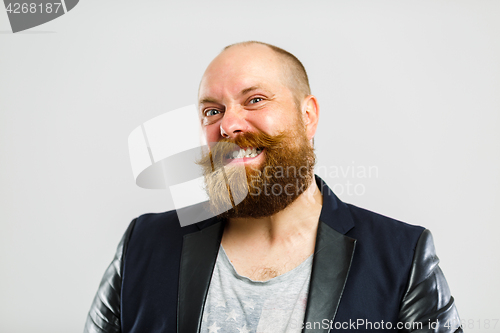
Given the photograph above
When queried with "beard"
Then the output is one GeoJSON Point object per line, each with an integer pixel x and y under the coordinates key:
{"type": "Point", "coordinates": [251, 191]}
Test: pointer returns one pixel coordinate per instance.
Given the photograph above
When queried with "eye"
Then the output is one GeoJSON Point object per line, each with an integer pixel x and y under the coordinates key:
{"type": "Point", "coordinates": [211, 112]}
{"type": "Point", "coordinates": [255, 100]}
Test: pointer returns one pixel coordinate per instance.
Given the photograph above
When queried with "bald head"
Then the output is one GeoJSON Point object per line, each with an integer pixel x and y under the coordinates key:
{"type": "Point", "coordinates": [249, 88]}
{"type": "Point", "coordinates": [289, 69]}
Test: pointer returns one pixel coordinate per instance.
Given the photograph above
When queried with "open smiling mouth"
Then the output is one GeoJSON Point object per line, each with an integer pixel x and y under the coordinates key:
{"type": "Point", "coordinates": [249, 152]}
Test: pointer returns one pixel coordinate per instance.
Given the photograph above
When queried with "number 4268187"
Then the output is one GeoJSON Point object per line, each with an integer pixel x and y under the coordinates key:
{"type": "Point", "coordinates": [25, 8]}
{"type": "Point", "coordinates": [472, 324]}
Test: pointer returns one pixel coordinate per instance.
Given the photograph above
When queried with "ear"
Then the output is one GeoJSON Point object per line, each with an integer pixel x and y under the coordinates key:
{"type": "Point", "coordinates": [310, 115]}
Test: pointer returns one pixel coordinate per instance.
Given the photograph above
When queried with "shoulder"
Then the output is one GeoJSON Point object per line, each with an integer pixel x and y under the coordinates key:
{"type": "Point", "coordinates": [158, 230]}
{"type": "Point", "coordinates": [158, 222]}
{"type": "Point", "coordinates": [368, 224]}
{"type": "Point", "coordinates": [383, 241]}
{"type": "Point", "coordinates": [385, 248]}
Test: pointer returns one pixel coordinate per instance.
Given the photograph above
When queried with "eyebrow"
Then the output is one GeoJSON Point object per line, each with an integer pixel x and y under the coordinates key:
{"type": "Point", "coordinates": [249, 89]}
{"type": "Point", "coordinates": [243, 92]}
{"type": "Point", "coordinates": [207, 100]}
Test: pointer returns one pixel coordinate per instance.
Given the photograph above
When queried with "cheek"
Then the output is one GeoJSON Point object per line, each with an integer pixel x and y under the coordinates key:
{"type": "Point", "coordinates": [271, 123]}
{"type": "Point", "coordinates": [267, 122]}
{"type": "Point", "coordinates": [212, 133]}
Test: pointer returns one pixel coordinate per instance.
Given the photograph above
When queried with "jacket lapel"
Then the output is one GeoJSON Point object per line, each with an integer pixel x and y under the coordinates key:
{"type": "Point", "coordinates": [333, 255]}
{"type": "Point", "coordinates": [332, 260]}
{"type": "Point", "coordinates": [331, 264]}
{"type": "Point", "coordinates": [199, 253]}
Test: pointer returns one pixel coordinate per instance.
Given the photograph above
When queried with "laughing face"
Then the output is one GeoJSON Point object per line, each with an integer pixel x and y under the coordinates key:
{"type": "Point", "coordinates": [244, 100]}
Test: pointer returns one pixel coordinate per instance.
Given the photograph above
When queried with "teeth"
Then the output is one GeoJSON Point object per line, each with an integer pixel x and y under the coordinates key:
{"type": "Point", "coordinates": [249, 152]}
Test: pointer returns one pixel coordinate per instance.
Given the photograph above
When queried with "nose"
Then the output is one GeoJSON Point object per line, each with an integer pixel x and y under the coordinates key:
{"type": "Point", "coordinates": [233, 123]}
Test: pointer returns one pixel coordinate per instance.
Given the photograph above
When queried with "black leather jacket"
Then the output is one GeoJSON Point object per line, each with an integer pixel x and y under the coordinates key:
{"type": "Point", "coordinates": [104, 314]}
{"type": "Point", "coordinates": [427, 297]}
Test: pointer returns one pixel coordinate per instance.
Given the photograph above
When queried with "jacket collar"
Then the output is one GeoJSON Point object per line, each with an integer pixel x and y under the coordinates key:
{"type": "Point", "coordinates": [333, 255]}
{"type": "Point", "coordinates": [199, 253]}
{"type": "Point", "coordinates": [332, 260]}
{"type": "Point", "coordinates": [334, 212]}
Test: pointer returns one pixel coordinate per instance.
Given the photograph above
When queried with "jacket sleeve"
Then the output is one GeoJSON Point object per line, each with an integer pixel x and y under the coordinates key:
{"type": "Point", "coordinates": [427, 299]}
{"type": "Point", "coordinates": [104, 314]}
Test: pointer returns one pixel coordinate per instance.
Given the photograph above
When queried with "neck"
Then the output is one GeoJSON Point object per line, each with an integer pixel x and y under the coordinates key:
{"type": "Point", "coordinates": [297, 221]}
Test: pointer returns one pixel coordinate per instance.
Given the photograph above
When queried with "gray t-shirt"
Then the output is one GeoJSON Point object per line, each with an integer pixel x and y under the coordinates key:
{"type": "Point", "coordinates": [236, 303]}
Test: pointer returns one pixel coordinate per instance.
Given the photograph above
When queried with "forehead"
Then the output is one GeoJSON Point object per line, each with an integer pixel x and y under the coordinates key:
{"type": "Point", "coordinates": [239, 68]}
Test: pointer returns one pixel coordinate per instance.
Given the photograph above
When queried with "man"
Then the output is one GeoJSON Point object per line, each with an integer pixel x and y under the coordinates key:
{"type": "Point", "coordinates": [290, 257]}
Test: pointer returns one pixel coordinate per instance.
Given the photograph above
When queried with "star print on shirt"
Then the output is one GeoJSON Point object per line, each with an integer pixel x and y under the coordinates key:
{"type": "Point", "coordinates": [221, 303]}
{"type": "Point", "coordinates": [232, 315]}
{"type": "Point", "coordinates": [213, 328]}
{"type": "Point", "coordinates": [244, 329]}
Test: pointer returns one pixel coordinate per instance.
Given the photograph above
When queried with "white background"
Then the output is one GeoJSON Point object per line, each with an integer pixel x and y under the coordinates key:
{"type": "Point", "coordinates": [411, 88]}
